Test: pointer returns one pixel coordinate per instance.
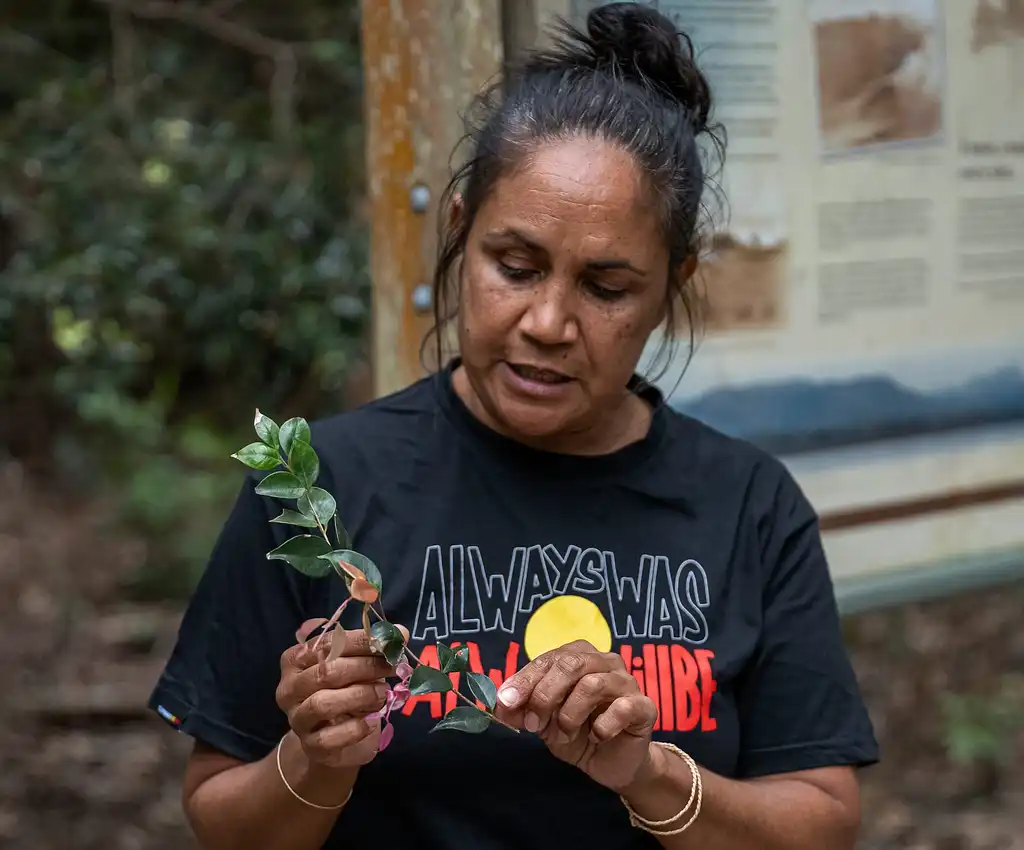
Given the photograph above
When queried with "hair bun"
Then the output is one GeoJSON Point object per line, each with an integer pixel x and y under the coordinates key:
{"type": "Point", "coordinates": [645, 46]}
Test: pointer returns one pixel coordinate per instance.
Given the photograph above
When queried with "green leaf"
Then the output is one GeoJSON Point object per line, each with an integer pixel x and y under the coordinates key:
{"type": "Point", "coordinates": [292, 430]}
{"type": "Point", "coordinates": [387, 639]}
{"type": "Point", "coordinates": [341, 533]}
{"type": "Point", "coordinates": [453, 660]}
{"type": "Point", "coordinates": [281, 485]}
{"type": "Point", "coordinates": [304, 462]}
{"type": "Point", "coordinates": [294, 518]}
{"type": "Point", "coordinates": [303, 552]}
{"type": "Point", "coordinates": [258, 456]}
{"type": "Point", "coordinates": [357, 560]}
{"type": "Point", "coordinates": [483, 689]}
{"type": "Point", "coordinates": [267, 430]}
{"type": "Point", "coordinates": [317, 503]}
{"type": "Point", "coordinates": [445, 656]}
{"type": "Point", "coordinates": [428, 680]}
{"type": "Point", "coordinates": [465, 718]}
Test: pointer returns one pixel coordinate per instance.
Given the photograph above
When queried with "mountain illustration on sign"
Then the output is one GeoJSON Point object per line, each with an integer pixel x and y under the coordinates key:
{"type": "Point", "coordinates": [791, 416]}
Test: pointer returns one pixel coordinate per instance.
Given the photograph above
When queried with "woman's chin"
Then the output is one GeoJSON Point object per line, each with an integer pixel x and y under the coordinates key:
{"type": "Point", "coordinates": [533, 423]}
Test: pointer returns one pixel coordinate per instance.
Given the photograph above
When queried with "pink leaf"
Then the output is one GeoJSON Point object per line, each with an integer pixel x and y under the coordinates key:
{"type": "Point", "coordinates": [353, 572]}
{"type": "Point", "coordinates": [304, 631]}
{"type": "Point", "coordinates": [397, 697]}
{"type": "Point", "coordinates": [404, 671]}
{"type": "Point", "coordinates": [338, 642]}
{"type": "Point", "coordinates": [386, 734]}
{"type": "Point", "coordinates": [362, 590]}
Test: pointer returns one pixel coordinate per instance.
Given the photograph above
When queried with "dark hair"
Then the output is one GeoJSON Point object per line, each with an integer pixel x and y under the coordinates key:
{"type": "Point", "coordinates": [630, 79]}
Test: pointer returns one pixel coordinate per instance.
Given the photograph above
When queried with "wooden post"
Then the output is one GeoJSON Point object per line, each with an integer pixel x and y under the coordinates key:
{"type": "Point", "coordinates": [423, 61]}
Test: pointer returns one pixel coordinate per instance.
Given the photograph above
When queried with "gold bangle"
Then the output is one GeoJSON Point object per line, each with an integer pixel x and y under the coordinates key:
{"type": "Point", "coordinates": [296, 794]}
{"type": "Point", "coordinates": [696, 794]}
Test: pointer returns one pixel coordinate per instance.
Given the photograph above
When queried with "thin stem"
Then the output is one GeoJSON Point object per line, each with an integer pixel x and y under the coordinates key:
{"type": "Point", "coordinates": [331, 623]}
{"type": "Point", "coordinates": [380, 616]}
{"type": "Point", "coordinates": [464, 698]}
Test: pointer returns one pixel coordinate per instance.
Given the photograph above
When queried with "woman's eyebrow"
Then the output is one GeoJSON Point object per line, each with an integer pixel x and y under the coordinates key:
{"type": "Point", "coordinates": [534, 245]}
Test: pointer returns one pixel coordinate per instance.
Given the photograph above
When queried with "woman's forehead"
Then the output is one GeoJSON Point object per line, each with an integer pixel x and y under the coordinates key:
{"type": "Point", "coordinates": [576, 182]}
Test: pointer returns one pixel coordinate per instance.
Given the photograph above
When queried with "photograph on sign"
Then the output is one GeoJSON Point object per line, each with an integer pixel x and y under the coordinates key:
{"type": "Point", "coordinates": [880, 72]}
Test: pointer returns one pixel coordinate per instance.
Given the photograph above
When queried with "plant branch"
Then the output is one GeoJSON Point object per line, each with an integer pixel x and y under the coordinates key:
{"type": "Point", "coordinates": [461, 695]}
{"type": "Point", "coordinates": [380, 616]}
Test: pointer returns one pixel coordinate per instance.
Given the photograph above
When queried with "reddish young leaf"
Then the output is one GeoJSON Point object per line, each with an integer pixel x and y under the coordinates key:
{"type": "Point", "coordinates": [362, 590]}
{"type": "Point", "coordinates": [397, 697]}
{"type": "Point", "coordinates": [353, 572]}
{"type": "Point", "coordinates": [386, 734]}
{"type": "Point", "coordinates": [338, 642]}
{"type": "Point", "coordinates": [306, 629]}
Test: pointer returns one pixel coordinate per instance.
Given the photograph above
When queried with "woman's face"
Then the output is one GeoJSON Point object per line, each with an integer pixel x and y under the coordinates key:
{"type": "Point", "coordinates": [563, 280]}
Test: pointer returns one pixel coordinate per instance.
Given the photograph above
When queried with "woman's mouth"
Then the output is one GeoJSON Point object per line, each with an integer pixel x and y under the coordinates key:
{"type": "Point", "coordinates": [535, 382]}
{"type": "Point", "coordinates": [535, 373]}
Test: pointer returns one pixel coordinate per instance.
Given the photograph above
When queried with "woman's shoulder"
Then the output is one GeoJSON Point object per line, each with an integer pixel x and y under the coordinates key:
{"type": "Point", "coordinates": [717, 456]}
{"type": "Point", "coordinates": [380, 420]}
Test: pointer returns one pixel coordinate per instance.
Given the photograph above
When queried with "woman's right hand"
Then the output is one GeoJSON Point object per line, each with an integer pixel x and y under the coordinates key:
{"type": "Point", "coordinates": [327, 703]}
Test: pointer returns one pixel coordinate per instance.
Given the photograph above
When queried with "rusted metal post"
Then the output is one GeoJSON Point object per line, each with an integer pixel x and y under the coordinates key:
{"type": "Point", "coordinates": [423, 61]}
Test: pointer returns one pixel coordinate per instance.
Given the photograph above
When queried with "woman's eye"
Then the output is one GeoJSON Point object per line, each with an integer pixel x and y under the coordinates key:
{"type": "Point", "coordinates": [604, 292]}
{"type": "Point", "coordinates": [515, 272]}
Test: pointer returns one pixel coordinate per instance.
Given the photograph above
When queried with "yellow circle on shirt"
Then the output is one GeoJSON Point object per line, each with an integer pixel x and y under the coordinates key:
{"type": "Point", "coordinates": [562, 620]}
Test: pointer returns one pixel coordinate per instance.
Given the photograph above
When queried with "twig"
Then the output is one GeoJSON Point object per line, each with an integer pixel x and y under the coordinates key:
{"type": "Point", "coordinates": [334, 622]}
{"type": "Point", "coordinates": [209, 20]}
{"type": "Point", "coordinates": [222, 7]}
{"type": "Point", "coordinates": [202, 18]}
{"type": "Point", "coordinates": [123, 64]}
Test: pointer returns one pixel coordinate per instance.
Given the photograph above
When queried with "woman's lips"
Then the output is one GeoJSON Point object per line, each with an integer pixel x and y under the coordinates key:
{"type": "Point", "coordinates": [535, 381]}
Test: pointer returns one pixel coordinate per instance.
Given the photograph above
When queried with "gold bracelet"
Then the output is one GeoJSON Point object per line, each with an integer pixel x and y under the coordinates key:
{"type": "Point", "coordinates": [295, 793]}
{"type": "Point", "coordinates": [696, 793]}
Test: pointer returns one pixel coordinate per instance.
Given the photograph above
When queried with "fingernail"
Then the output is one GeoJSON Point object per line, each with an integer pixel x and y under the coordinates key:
{"type": "Point", "coordinates": [381, 691]}
{"type": "Point", "coordinates": [531, 721]}
{"type": "Point", "coordinates": [509, 696]}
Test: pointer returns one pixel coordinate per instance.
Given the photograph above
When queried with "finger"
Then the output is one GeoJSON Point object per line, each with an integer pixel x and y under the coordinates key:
{"type": "Point", "coordinates": [549, 680]}
{"type": "Point", "coordinates": [327, 744]}
{"type": "Point", "coordinates": [631, 715]}
{"type": "Point", "coordinates": [353, 642]}
{"type": "Point", "coordinates": [593, 692]}
{"type": "Point", "coordinates": [336, 675]}
{"type": "Point", "coordinates": [517, 689]}
{"type": "Point", "coordinates": [327, 706]}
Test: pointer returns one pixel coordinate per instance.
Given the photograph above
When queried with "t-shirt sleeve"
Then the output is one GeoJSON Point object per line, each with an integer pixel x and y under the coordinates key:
{"type": "Point", "coordinates": [219, 683]}
{"type": "Point", "coordinates": [799, 704]}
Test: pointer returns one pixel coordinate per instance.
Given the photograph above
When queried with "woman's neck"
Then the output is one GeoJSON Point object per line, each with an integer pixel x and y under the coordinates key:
{"type": "Point", "coordinates": [625, 422]}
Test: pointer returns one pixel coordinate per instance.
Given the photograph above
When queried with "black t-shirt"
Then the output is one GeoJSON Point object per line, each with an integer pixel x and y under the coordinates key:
{"type": "Point", "coordinates": [694, 555]}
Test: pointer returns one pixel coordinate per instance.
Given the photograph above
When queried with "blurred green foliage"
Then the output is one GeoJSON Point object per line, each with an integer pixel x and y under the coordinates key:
{"type": "Point", "coordinates": [980, 728]}
{"type": "Point", "coordinates": [180, 242]}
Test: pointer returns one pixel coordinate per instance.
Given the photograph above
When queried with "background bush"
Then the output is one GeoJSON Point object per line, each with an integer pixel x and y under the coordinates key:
{"type": "Point", "coordinates": [180, 242]}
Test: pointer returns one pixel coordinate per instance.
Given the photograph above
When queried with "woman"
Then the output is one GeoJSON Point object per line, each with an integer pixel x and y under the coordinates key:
{"type": "Point", "coordinates": [651, 594]}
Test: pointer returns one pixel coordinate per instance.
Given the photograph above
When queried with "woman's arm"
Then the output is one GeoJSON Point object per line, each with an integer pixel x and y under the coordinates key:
{"type": "Point", "coordinates": [803, 810]}
{"type": "Point", "coordinates": [233, 805]}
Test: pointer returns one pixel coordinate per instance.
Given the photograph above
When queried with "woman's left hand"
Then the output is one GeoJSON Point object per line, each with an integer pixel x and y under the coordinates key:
{"type": "Point", "coordinates": [587, 708]}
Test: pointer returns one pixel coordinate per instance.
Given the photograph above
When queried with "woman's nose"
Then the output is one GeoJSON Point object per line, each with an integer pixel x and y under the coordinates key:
{"type": "Point", "coordinates": [550, 318]}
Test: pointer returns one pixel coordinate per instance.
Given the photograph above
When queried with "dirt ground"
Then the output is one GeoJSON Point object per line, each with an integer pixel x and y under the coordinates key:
{"type": "Point", "coordinates": [84, 767]}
